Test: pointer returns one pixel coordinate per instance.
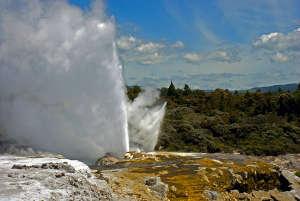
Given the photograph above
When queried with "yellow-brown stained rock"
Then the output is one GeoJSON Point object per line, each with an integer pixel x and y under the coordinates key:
{"type": "Point", "coordinates": [192, 178]}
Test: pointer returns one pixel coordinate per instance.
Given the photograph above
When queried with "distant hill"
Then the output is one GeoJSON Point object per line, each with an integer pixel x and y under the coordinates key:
{"type": "Point", "coordinates": [275, 88]}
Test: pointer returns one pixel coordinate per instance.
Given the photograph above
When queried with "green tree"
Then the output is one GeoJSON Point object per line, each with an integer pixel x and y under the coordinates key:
{"type": "Point", "coordinates": [248, 101]}
{"type": "Point", "coordinates": [286, 104]}
{"type": "Point", "coordinates": [171, 90]}
{"type": "Point", "coordinates": [297, 101]}
{"type": "Point", "coordinates": [187, 90]}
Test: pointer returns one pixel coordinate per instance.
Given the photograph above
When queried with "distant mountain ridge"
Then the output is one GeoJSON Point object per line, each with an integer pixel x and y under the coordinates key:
{"type": "Point", "coordinates": [275, 88]}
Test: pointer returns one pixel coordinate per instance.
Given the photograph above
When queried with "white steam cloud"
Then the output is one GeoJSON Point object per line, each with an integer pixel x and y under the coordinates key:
{"type": "Point", "coordinates": [61, 85]}
{"type": "Point", "coordinates": [145, 115]}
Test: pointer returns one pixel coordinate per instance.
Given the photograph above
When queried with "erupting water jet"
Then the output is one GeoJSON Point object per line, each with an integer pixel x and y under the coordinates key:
{"type": "Point", "coordinates": [61, 84]}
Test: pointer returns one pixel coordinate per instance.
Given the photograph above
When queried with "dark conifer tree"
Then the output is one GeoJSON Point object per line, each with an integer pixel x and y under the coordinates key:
{"type": "Point", "coordinates": [187, 90]}
{"type": "Point", "coordinates": [171, 90]}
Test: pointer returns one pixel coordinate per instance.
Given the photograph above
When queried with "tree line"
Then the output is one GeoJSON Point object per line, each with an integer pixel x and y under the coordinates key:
{"type": "Point", "coordinates": [260, 123]}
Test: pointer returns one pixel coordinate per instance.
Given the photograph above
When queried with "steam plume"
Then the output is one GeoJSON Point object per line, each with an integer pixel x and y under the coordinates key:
{"type": "Point", "coordinates": [145, 115]}
{"type": "Point", "coordinates": [61, 85]}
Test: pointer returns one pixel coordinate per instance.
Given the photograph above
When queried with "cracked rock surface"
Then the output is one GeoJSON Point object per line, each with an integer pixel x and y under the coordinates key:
{"type": "Point", "coordinates": [200, 176]}
{"type": "Point", "coordinates": [47, 178]}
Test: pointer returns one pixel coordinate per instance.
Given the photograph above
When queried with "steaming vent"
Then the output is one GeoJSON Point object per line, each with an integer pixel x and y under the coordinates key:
{"type": "Point", "coordinates": [61, 84]}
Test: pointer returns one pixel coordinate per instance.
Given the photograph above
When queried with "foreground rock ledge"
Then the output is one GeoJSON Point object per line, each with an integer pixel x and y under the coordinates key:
{"type": "Point", "coordinates": [181, 176]}
{"type": "Point", "coordinates": [49, 178]}
{"type": "Point", "coordinates": [151, 176]}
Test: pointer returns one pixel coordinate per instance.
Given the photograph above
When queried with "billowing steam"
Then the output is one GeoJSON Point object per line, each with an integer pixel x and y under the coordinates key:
{"type": "Point", "coordinates": [145, 115]}
{"type": "Point", "coordinates": [61, 85]}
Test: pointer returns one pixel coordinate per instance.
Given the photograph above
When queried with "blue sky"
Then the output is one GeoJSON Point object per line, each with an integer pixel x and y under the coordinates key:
{"type": "Point", "coordinates": [207, 44]}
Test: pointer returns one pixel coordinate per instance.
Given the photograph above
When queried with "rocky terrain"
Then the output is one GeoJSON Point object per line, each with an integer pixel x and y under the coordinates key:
{"type": "Point", "coordinates": [49, 178]}
{"type": "Point", "coordinates": [151, 176]}
{"type": "Point", "coordinates": [188, 176]}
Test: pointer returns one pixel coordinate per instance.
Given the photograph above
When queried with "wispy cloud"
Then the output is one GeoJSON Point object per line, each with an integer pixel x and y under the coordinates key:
{"type": "Point", "coordinates": [248, 18]}
{"type": "Point", "coordinates": [281, 47]}
{"type": "Point", "coordinates": [279, 41]}
{"type": "Point", "coordinates": [217, 37]}
{"type": "Point", "coordinates": [150, 47]}
{"type": "Point", "coordinates": [219, 55]}
{"type": "Point", "coordinates": [134, 50]}
{"type": "Point", "coordinates": [127, 42]}
{"type": "Point", "coordinates": [279, 57]}
{"type": "Point", "coordinates": [227, 55]}
{"type": "Point", "coordinates": [207, 34]}
{"type": "Point", "coordinates": [178, 44]}
{"type": "Point", "coordinates": [193, 23]}
{"type": "Point", "coordinates": [192, 57]}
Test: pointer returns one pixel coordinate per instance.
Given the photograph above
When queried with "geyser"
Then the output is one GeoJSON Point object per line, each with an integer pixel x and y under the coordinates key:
{"type": "Point", "coordinates": [145, 115]}
{"type": "Point", "coordinates": [61, 85]}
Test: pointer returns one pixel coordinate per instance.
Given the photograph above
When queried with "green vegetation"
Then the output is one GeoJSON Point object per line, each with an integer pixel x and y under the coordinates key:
{"type": "Point", "coordinates": [297, 173]}
{"type": "Point", "coordinates": [223, 121]}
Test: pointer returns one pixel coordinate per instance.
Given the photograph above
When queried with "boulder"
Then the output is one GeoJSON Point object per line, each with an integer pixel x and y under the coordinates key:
{"type": "Point", "coordinates": [155, 184]}
{"type": "Point", "coordinates": [106, 161]}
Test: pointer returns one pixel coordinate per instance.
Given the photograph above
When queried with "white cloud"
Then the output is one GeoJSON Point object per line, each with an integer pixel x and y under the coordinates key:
{"type": "Point", "coordinates": [219, 55]}
{"type": "Point", "coordinates": [230, 56]}
{"type": "Point", "coordinates": [135, 50]}
{"type": "Point", "coordinates": [178, 44]}
{"type": "Point", "coordinates": [279, 57]}
{"type": "Point", "coordinates": [153, 58]}
{"type": "Point", "coordinates": [127, 42]}
{"type": "Point", "coordinates": [144, 58]}
{"type": "Point", "coordinates": [150, 47]}
{"type": "Point", "coordinates": [279, 41]}
{"type": "Point", "coordinates": [267, 38]}
{"type": "Point", "coordinates": [192, 57]}
{"type": "Point", "coordinates": [280, 47]}
{"type": "Point", "coordinates": [138, 45]}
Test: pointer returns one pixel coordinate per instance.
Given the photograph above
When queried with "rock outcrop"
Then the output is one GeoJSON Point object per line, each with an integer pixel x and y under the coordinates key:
{"type": "Point", "coordinates": [158, 176]}
{"type": "Point", "coordinates": [27, 178]}
{"type": "Point", "coordinates": [182, 176]}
